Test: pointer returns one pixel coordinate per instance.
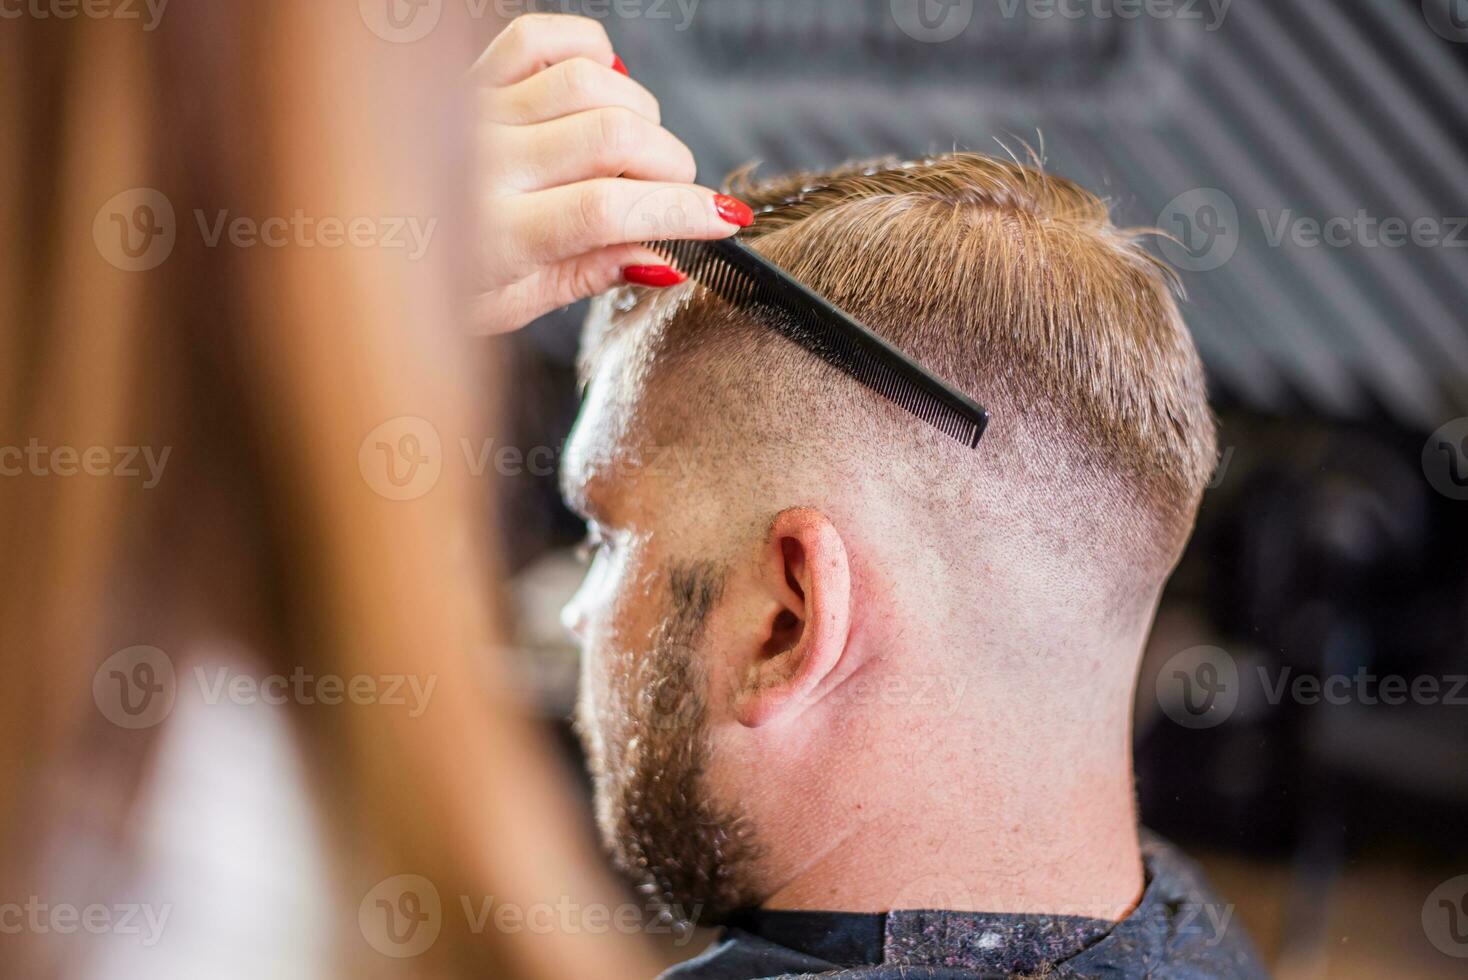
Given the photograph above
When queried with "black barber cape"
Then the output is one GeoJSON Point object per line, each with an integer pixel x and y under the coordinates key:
{"type": "Point", "coordinates": [1179, 931]}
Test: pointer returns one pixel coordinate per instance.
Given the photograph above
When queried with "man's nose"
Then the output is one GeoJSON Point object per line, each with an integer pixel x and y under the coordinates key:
{"type": "Point", "coordinates": [573, 618]}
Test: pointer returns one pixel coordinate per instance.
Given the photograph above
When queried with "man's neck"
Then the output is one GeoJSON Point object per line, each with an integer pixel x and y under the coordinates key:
{"type": "Point", "coordinates": [1068, 854]}
{"type": "Point", "coordinates": [1044, 825]}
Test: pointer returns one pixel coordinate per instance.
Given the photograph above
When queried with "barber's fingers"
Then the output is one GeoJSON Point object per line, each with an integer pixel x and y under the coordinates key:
{"type": "Point", "coordinates": [563, 222]}
{"type": "Point", "coordinates": [613, 142]}
{"type": "Point", "coordinates": [570, 87]}
{"type": "Point", "coordinates": [533, 42]}
{"type": "Point", "coordinates": [558, 285]}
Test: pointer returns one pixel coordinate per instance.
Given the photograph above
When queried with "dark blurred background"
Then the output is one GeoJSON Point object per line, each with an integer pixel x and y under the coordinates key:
{"type": "Point", "coordinates": [1303, 715]}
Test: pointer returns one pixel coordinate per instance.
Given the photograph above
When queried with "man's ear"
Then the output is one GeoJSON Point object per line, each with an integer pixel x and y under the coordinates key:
{"type": "Point", "coordinates": [804, 620]}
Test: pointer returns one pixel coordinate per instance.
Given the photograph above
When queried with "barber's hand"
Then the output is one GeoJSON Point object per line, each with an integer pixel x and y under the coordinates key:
{"type": "Point", "coordinates": [577, 170]}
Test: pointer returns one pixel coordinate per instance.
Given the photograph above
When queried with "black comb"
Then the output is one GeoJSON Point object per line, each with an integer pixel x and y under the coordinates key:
{"type": "Point", "coordinates": [753, 284]}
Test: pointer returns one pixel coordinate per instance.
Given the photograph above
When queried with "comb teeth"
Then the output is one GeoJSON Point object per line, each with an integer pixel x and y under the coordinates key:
{"type": "Point", "coordinates": [753, 284]}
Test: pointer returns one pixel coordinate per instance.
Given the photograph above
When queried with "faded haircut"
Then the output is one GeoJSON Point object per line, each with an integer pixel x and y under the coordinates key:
{"type": "Point", "coordinates": [1013, 285]}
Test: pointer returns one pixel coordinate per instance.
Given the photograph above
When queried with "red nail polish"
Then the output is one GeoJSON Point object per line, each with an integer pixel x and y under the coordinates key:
{"type": "Point", "coordinates": [619, 65]}
{"type": "Point", "coordinates": [733, 210]}
{"type": "Point", "coordinates": [660, 276]}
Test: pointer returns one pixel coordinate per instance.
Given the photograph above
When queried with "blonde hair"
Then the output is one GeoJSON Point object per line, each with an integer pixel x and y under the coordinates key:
{"type": "Point", "coordinates": [1012, 284]}
{"type": "Point", "coordinates": [264, 370]}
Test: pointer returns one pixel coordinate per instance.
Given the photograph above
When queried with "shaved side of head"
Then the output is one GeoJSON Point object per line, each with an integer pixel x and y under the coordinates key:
{"type": "Point", "coordinates": [1011, 284]}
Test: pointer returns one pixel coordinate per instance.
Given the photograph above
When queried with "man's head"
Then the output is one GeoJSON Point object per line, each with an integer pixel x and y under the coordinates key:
{"type": "Point", "coordinates": [802, 593]}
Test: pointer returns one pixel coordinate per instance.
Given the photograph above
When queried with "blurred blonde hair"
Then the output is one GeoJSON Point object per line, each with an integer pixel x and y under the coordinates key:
{"type": "Point", "coordinates": [263, 370]}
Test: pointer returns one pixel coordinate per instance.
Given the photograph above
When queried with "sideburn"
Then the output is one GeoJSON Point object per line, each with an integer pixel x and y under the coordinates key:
{"type": "Point", "coordinates": [687, 855]}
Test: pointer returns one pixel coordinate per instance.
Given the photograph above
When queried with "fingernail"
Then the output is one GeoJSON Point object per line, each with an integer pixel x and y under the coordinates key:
{"type": "Point", "coordinates": [619, 65]}
{"type": "Point", "coordinates": [660, 276]}
{"type": "Point", "coordinates": [733, 210]}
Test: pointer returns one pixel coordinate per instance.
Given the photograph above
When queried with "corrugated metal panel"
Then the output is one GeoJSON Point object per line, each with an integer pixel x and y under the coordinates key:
{"type": "Point", "coordinates": [1278, 110]}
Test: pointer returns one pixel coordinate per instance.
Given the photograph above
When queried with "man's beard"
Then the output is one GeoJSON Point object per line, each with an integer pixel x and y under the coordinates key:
{"type": "Point", "coordinates": [648, 751]}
